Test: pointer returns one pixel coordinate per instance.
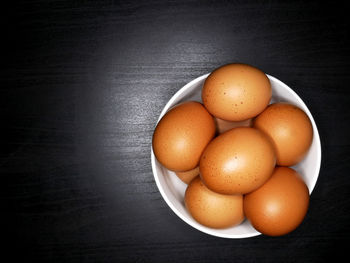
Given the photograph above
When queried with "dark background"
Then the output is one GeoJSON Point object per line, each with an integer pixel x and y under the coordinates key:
{"type": "Point", "coordinates": [82, 86]}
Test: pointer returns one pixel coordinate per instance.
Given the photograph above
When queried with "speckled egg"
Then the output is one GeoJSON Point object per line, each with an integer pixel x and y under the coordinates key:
{"type": "Point", "coordinates": [236, 92]}
{"type": "Point", "coordinates": [237, 161]}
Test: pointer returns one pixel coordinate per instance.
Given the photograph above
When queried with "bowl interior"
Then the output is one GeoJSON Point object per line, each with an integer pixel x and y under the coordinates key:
{"type": "Point", "coordinates": [173, 189]}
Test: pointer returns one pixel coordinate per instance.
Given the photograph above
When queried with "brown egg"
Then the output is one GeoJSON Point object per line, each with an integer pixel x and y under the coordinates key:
{"type": "Point", "coordinates": [237, 161]}
{"type": "Point", "coordinates": [222, 125]}
{"type": "Point", "coordinates": [236, 92]}
{"type": "Point", "coordinates": [289, 128]}
{"type": "Point", "coordinates": [181, 136]}
{"type": "Point", "coordinates": [187, 176]}
{"type": "Point", "coordinates": [212, 209]}
{"type": "Point", "coordinates": [280, 205]}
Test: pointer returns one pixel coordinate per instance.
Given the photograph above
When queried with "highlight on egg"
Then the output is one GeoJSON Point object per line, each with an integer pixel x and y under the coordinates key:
{"type": "Point", "coordinates": [290, 130]}
{"type": "Point", "coordinates": [181, 136]}
{"type": "Point", "coordinates": [237, 161]}
{"type": "Point", "coordinates": [280, 205]}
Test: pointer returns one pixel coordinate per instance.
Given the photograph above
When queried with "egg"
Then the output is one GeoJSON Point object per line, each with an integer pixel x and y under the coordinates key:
{"type": "Point", "coordinates": [280, 205]}
{"type": "Point", "coordinates": [188, 176]}
{"type": "Point", "coordinates": [222, 125]}
{"type": "Point", "coordinates": [181, 136]}
{"type": "Point", "coordinates": [212, 209]}
{"type": "Point", "coordinates": [289, 128]}
{"type": "Point", "coordinates": [237, 161]}
{"type": "Point", "coordinates": [236, 92]}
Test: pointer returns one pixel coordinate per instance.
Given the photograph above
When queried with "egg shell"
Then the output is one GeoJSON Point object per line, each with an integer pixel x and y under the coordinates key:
{"type": "Point", "coordinates": [290, 130]}
{"type": "Point", "coordinates": [223, 125]}
{"type": "Point", "coordinates": [188, 176]}
{"type": "Point", "coordinates": [236, 92]}
{"type": "Point", "coordinates": [237, 161]}
{"type": "Point", "coordinates": [212, 209]}
{"type": "Point", "coordinates": [280, 205]}
{"type": "Point", "coordinates": [181, 136]}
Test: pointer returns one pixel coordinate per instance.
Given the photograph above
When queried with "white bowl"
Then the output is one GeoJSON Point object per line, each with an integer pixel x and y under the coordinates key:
{"type": "Point", "coordinates": [173, 189]}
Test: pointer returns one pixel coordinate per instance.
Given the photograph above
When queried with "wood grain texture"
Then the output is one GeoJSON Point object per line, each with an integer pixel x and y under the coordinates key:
{"type": "Point", "coordinates": [82, 86]}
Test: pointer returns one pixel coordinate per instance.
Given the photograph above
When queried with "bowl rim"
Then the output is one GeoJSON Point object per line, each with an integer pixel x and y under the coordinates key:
{"type": "Point", "coordinates": [193, 223]}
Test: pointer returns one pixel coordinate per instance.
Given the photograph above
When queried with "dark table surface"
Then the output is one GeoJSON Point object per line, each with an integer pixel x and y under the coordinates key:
{"type": "Point", "coordinates": [82, 86]}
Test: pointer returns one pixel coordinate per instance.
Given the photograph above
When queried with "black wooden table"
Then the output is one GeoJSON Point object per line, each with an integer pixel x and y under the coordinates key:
{"type": "Point", "coordinates": [82, 86]}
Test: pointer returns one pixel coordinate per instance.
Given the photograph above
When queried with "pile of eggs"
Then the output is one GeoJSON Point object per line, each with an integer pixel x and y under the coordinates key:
{"type": "Point", "coordinates": [235, 151]}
